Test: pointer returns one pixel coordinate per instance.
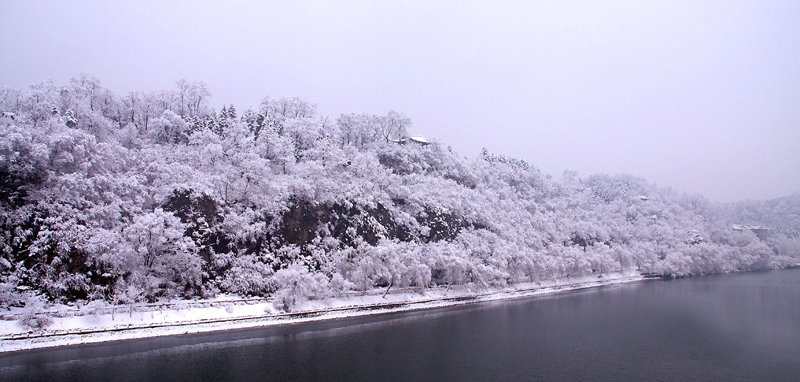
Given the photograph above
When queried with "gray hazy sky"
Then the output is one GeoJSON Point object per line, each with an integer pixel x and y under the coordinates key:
{"type": "Point", "coordinates": [701, 96]}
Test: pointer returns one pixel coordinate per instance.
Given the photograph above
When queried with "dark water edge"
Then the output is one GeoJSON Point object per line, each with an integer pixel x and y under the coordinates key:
{"type": "Point", "coordinates": [713, 328]}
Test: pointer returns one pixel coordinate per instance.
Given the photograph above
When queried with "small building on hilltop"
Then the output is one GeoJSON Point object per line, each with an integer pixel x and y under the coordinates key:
{"type": "Point", "coordinates": [418, 139]}
{"type": "Point", "coordinates": [761, 232]}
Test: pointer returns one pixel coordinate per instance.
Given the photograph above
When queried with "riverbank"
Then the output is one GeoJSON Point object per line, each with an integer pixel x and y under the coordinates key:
{"type": "Point", "coordinates": [85, 326]}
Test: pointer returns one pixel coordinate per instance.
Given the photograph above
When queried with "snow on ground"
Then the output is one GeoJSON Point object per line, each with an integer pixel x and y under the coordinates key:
{"type": "Point", "coordinates": [78, 326]}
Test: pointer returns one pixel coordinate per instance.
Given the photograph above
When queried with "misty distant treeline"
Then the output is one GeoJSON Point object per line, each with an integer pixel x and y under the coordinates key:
{"type": "Point", "coordinates": [142, 196]}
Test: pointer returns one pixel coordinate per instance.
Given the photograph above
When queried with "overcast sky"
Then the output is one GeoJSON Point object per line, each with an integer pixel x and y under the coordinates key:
{"type": "Point", "coordinates": [701, 96]}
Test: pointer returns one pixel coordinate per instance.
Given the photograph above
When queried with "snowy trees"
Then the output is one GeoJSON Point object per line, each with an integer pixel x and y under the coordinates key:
{"type": "Point", "coordinates": [23, 163]}
{"type": "Point", "coordinates": [296, 284]}
{"type": "Point", "coordinates": [168, 128]}
{"type": "Point", "coordinates": [394, 125]}
{"type": "Point", "coordinates": [156, 235]}
{"type": "Point", "coordinates": [247, 275]}
{"type": "Point", "coordinates": [166, 257]}
{"type": "Point", "coordinates": [153, 195]}
{"type": "Point", "coordinates": [362, 130]}
{"type": "Point", "coordinates": [192, 98]}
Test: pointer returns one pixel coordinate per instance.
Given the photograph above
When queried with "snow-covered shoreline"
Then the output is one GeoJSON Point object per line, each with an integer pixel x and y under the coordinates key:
{"type": "Point", "coordinates": [221, 314]}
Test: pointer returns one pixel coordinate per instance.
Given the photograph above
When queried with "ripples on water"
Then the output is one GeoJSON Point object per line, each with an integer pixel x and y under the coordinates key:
{"type": "Point", "coordinates": [713, 328]}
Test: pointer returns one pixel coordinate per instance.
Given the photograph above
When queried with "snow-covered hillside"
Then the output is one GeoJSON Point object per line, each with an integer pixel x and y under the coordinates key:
{"type": "Point", "coordinates": [146, 196]}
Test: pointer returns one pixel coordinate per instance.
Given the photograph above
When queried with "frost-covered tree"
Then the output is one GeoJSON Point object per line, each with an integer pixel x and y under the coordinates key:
{"type": "Point", "coordinates": [296, 284]}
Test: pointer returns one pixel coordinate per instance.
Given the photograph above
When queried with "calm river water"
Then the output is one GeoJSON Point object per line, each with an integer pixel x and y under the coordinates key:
{"type": "Point", "coordinates": [713, 328]}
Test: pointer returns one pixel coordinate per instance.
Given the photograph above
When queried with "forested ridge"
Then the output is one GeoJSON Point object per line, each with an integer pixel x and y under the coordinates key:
{"type": "Point", "coordinates": [151, 195]}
